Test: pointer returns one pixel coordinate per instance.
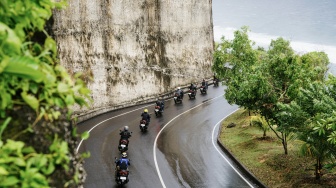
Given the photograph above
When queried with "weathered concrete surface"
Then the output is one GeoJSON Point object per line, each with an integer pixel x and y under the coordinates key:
{"type": "Point", "coordinates": [134, 50]}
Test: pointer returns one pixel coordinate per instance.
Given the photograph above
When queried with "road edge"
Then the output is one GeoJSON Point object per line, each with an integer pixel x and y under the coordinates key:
{"type": "Point", "coordinates": [241, 167]}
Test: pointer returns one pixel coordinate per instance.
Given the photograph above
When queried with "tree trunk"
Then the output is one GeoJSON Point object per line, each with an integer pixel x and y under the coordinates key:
{"type": "Point", "coordinates": [318, 168]}
{"type": "Point", "coordinates": [284, 143]}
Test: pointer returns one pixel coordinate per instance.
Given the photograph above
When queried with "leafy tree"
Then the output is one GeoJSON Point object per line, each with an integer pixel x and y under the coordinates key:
{"type": "Point", "coordinates": [313, 116]}
{"type": "Point", "coordinates": [261, 80]}
{"type": "Point", "coordinates": [289, 73]}
{"type": "Point", "coordinates": [37, 139]}
{"type": "Point", "coordinates": [237, 63]}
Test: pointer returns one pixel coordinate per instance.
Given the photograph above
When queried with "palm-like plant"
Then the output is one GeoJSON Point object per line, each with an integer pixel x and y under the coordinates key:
{"type": "Point", "coordinates": [316, 144]}
{"type": "Point", "coordinates": [318, 130]}
{"type": "Point", "coordinates": [261, 123]}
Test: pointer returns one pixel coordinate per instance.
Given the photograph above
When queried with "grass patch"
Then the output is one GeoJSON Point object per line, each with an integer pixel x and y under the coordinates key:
{"type": "Point", "coordinates": [265, 157]}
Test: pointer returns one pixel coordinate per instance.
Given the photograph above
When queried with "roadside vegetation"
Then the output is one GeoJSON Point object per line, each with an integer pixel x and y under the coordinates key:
{"type": "Point", "coordinates": [263, 155]}
{"type": "Point", "coordinates": [286, 95]}
{"type": "Point", "coordinates": [37, 137]}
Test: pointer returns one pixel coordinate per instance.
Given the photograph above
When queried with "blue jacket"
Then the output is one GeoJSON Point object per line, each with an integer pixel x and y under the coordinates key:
{"type": "Point", "coordinates": [123, 163]}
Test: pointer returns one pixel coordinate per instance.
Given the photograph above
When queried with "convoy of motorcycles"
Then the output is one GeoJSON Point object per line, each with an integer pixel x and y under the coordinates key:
{"type": "Point", "coordinates": [121, 171]}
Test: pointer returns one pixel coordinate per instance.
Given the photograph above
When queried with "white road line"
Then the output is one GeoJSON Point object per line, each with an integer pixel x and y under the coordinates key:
{"type": "Point", "coordinates": [213, 143]}
{"type": "Point", "coordinates": [157, 136]}
{"type": "Point", "coordinates": [80, 143]}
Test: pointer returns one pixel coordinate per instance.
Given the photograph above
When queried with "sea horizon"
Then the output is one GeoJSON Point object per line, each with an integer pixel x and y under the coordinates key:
{"type": "Point", "coordinates": [264, 40]}
{"type": "Point", "coordinates": [308, 25]}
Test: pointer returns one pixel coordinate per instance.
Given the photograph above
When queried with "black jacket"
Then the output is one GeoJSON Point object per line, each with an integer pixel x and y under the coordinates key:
{"type": "Point", "coordinates": [125, 134]}
{"type": "Point", "coordinates": [145, 116]}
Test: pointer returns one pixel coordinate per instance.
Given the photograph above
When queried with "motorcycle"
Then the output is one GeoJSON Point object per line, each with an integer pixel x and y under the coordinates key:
{"type": "Point", "coordinates": [158, 111]}
{"type": "Point", "coordinates": [143, 125]}
{"type": "Point", "coordinates": [216, 82]}
{"type": "Point", "coordinates": [192, 94]}
{"type": "Point", "coordinates": [121, 175]}
{"type": "Point", "coordinates": [203, 89]}
{"type": "Point", "coordinates": [177, 98]}
{"type": "Point", "coordinates": [123, 145]}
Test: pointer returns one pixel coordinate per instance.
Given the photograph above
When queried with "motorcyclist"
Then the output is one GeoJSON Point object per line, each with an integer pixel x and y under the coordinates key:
{"type": "Point", "coordinates": [179, 92]}
{"type": "Point", "coordinates": [192, 87]}
{"type": "Point", "coordinates": [125, 134]}
{"type": "Point", "coordinates": [215, 80]}
{"type": "Point", "coordinates": [161, 104]}
{"type": "Point", "coordinates": [146, 116]}
{"type": "Point", "coordinates": [122, 164]}
{"type": "Point", "coordinates": [205, 84]}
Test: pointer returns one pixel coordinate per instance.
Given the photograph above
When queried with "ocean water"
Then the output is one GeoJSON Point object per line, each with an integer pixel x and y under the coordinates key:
{"type": "Point", "coordinates": [310, 25]}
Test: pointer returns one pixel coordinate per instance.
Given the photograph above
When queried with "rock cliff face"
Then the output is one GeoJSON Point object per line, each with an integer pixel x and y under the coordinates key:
{"type": "Point", "coordinates": [134, 50]}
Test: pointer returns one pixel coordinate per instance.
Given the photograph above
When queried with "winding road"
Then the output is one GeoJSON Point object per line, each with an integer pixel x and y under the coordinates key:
{"type": "Point", "coordinates": [178, 150]}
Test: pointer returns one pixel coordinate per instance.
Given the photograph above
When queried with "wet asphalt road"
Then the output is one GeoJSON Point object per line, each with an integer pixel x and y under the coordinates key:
{"type": "Point", "coordinates": [178, 150]}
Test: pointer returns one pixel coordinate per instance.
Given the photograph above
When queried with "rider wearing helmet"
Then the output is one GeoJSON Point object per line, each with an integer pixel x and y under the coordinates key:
{"type": "Point", "coordinates": [124, 134]}
{"type": "Point", "coordinates": [146, 116]}
{"type": "Point", "coordinates": [179, 92]}
{"type": "Point", "coordinates": [192, 87]}
{"type": "Point", "coordinates": [205, 84]}
{"type": "Point", "coordinates": [122, 163]}
{"type": "Point", "coordinates": [161, 104]}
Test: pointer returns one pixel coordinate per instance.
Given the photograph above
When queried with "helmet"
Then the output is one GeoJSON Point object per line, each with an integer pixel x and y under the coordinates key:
{"type": "Point", "coordinates": [126, 128]}
{"type": "Point", "coordinates": [124, 154]}
{"type": "Point", "coordinates": [145, 110]}
{"type": "Point", "coordinates": [178, 87]}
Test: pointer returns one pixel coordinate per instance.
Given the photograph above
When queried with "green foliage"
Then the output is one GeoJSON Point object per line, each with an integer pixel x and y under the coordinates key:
{"type": "Point", "coordinates": [237, 63]}
{"type": "Point", "coordinates": [30, 76]}
{"type": "Point", "coordinates": [312, 115]}
{"type": "Point", "coordinates": [261, 123]}
{"type": "Point", "coordinates": [318, 61]}
{"type": "Point", "coordinates": [265, 80]}
{"type": "Point", "coordinates": [22, 167]}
